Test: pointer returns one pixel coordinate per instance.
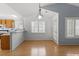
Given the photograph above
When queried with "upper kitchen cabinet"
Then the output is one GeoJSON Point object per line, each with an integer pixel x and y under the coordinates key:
{"type": "Point", "coordinates": [9, 23]}
{"type": "Point", "coordinates": [3, 22]}
{"type": "Point", "coordinates": [0, 21]}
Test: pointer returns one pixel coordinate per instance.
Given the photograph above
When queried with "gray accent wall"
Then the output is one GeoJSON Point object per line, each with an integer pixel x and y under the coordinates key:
{"type": "Point", "coordinates": [64, 10]}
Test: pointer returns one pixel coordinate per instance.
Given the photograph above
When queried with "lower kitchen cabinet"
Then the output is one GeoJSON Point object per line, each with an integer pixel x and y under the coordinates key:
{"type": "Point", "coordinates": [5, 42]}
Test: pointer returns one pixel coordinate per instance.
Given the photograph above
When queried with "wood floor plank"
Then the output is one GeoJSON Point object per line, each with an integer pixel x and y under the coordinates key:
{"type": "Point", "coordinates": [42, 48]}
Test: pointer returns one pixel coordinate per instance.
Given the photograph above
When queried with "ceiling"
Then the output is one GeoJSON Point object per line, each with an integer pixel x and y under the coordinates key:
{"type": "Point", "coordinates": [29, 9]}
{"type": "Point", "coordinates": [26, 9]}
{"type": "Point", "coordinates": [75, 4]}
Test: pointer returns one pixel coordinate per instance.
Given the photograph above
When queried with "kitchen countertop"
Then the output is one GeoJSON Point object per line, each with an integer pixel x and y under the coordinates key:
{"type": "Point", "coordinates": [9, 31]}
{"type": "Point", "coordinates": [5, 34]}
{"type": "Point", "coordinates": [3, 29]}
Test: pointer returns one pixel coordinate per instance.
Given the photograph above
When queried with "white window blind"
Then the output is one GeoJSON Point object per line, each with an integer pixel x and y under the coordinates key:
{"type": "Point", "coordinates": [77, 27]}
{"type": "Point", "coordinates": [41, 26]}
{"type": "Point", "coordinates": [72, 27]}
{"type": "Point", "coordinates": [34, 26]}
{"type": "Point", "coordinates": [38, 27]}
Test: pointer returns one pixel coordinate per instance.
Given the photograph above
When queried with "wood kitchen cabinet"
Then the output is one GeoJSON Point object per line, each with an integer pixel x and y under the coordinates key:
{"type": "Point", "coordinates": [3, 22]}
{"type": "Point", "coordinates": [5, 42]}
{"type": "Point", "coordinates": [0, 21]}
{"type": "Point", "coordinates": [9, 23]}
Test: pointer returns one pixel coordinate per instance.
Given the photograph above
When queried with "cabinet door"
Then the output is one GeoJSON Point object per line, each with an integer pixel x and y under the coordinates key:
{"type": "Point", "coordinates": [3, 22]}
{"type": "Point", "coordinates": [5, 42]}
{"type": "Point", "coordinates": [0, 21]}
{"type": "Point", "coordinates": [9, 23]}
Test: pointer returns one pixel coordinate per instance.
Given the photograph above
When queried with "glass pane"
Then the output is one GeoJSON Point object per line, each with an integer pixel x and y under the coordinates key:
{"type": "Point", "coordinates": [41, 26]}
{"type": "Point", "coordinates": [77, 27]}
{"type": "Point", "coordinates": [34, 26]}
{"type": "Point", "coordinates": [70, 27]}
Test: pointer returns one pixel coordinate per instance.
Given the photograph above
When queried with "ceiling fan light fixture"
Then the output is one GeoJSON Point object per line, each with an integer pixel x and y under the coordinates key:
{"type": "Point", "coordinates": [40, 16]}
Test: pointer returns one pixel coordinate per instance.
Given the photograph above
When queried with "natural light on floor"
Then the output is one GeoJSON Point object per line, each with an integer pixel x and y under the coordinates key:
{"type": "Point", "coordinates": [38, 51]}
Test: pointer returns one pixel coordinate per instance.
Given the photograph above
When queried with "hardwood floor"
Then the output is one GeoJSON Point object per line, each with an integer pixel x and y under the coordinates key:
{"type": "Point", "coordinates": [41, 48]}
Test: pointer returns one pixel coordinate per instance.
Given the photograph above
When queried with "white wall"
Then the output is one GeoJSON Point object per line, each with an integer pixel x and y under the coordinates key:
{"type": "Point", "coordinates": [47, 17]}
{"type": "Point", "coordinates": [6, 12]}
{"type": "Point", "coordinates": [17, 39]}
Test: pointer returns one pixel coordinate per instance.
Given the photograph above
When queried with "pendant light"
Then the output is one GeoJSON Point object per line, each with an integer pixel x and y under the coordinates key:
{"type": "Point", "coordinates": [40, 15]}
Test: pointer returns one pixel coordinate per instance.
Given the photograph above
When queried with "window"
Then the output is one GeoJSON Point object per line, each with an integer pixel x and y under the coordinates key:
{"type": "Point", "coordinates": [77, 27]}
{"type": "Point", "coordinates": [38, 26]}
{"type": "Point", "coordinates": [72, 27]}
{"type": "Point", "coordinates": [34, 26]}
{"type": "Point", "coordinates": [41, 26]}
